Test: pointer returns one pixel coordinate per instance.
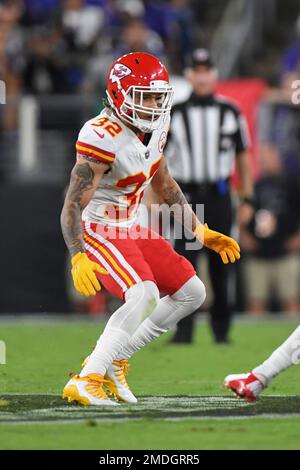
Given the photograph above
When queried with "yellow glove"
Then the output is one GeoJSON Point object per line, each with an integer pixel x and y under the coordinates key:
{"type": "Point", "coordinates": [227, 247]}
{"type": "Point", "coordinates": [84, 278]}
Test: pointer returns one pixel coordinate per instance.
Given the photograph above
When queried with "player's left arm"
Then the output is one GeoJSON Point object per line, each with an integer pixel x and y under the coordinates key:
{"type": "Point", "coordinates": [84, 180]}
{"type": "Point", "coordinates": [169, 192]}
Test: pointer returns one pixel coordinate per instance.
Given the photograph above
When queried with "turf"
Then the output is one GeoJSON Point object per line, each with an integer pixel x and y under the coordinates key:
{"type": "Point", "coordinates": [256, 433]}
{"type": "Point", "coordinates": [174, 383]}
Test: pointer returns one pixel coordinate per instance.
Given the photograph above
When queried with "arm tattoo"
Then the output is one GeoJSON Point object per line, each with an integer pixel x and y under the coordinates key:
{"type": "Point", "coordinates": [81, 181]}
{"type": "Point", "coordinates": [171, 191]}
{"type": "Point", "coordinates": [176, 200]}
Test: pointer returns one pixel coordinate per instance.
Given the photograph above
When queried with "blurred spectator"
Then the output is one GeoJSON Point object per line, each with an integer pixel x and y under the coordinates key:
{"type": "Point", "coordinates": [291, 56]}
{"type": "Point", "coordinates": [58, 52]}
{"type": "Point", "coordinates": [81, 24]}
{"type": "Point", "coordinates": [81, 28]}
{"type": "Point", "coordinates": [118, 15]}
{"type": "Point", "coordinates": [280, 122]}
{"type": "Point", "coordinates": [11, 58]}
{"type": "Point", "coordinates": [96, 67]}
{"type": "Point", "coordinates": [175, 27]}
{"type": "Point", "coordinates": [161, 10]}
{"type": "Point", "coordinates": [136, 36]}
{"type": "Point", "coordinates": [38, 12]}
{"type": "Point", "coordinates": [279, 116]}
{"type": "Point", "coordinates": [44, 71]}
{"type": "Point", "coordinates": [180, 34]}
{"type": "Point", "coordinates": [118, 12]}
{"type": "Point", "coordinates": [271, 237]}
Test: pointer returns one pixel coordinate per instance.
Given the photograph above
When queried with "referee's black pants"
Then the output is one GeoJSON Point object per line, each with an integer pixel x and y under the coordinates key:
{"type": "Point", "coordinates": [218, 215]}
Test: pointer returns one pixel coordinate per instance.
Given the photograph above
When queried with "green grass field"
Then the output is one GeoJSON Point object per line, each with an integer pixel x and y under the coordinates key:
{"type": "Point", "coordinates": [182, 402]}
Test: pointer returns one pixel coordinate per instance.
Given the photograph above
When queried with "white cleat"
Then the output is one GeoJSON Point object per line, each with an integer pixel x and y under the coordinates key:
{"type": "Point", "coordinates": [87, 391]}
{"type": "Point", "coordinates": [115, 381]}
{"type": "Point", "coordinates": [246, 386]}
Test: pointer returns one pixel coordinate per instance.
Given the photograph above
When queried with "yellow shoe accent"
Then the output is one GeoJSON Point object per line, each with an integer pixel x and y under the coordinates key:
{"type": "Point", "coordinates": [87, 390]}
{"type": "Point", "coordinates": [71, 392]}
{"type": "Point", "coordinates": [94, 385]}
{"type": "Point", "coordinates": [112, 388]}
{"type": "Point", "coordinates": [121, 369]}
{"type": "Point", "coordinates": [115, 381]}
{"type": "Point", "coordinates": [122, 372]}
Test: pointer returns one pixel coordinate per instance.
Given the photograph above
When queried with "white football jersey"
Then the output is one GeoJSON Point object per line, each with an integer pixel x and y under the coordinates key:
{"type": "Point", "coordinates": [132, 166]}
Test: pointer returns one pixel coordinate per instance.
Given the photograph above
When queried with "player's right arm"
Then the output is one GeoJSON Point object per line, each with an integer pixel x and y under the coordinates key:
{"type": "Point", "coordinates": [85, 177]}
{"type": "Point", "coordinates": [84, 180]}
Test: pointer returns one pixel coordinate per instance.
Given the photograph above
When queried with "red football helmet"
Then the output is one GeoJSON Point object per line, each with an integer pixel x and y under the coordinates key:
{"type": "Point", "coordinates": [132, 76]}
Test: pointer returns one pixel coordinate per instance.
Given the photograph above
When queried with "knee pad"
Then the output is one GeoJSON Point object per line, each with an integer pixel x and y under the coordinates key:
{"type": "Point", "coordinates": [193, 292]}
{"type": "Point", "coordinates": [140, 301]}
{"type": "Point", "coordinates": [146, 296]}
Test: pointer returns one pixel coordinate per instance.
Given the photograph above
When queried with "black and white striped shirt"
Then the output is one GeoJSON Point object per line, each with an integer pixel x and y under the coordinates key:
{"type": "Point", "coordinates": [206, 135]}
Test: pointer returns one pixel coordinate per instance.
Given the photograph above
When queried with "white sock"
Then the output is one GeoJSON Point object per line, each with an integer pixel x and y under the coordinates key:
{"type": "Point", "coordinates": [283, 357]}
{"type": "Point", "coordinates": [169, 311]}
{"type": "Point", "coordinates": [140, 300]}
{"type": "Point", "coordinates": [108, 346]}
{"type": "Point", "coordinates": [145, 333]}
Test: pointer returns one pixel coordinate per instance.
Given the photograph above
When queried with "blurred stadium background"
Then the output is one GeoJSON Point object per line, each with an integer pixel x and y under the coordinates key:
{"type": "Point", "coordinates": [54, 57]}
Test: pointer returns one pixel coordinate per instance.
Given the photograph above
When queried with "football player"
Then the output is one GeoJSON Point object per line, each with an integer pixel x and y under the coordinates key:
{"type": "Point", "coordinates": [119, 153]}
{"type": "Point", "coordinates": [250, 385]}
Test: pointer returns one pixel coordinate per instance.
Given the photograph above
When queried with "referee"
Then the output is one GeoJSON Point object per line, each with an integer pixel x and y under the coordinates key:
{"type": "Point", "coordinates": [208, 136]}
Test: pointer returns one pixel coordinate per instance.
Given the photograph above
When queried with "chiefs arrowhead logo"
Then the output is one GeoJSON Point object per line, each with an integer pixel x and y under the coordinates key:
{"type": "Point", "coordinates": [118, 72]}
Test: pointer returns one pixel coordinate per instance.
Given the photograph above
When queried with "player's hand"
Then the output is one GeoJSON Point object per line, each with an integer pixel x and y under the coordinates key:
{"type": "Point", "coordinates": [83, 273]}
{"type": "Point", "coordinates": [226, 247]}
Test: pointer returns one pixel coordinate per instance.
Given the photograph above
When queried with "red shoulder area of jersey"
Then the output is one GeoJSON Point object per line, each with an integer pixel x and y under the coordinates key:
{"type": "Point", "coordinates": [95, 152]}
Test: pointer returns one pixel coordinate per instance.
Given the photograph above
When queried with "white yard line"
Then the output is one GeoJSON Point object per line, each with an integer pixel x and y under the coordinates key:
{"type": "Point", "coordinates": [149, 407]}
